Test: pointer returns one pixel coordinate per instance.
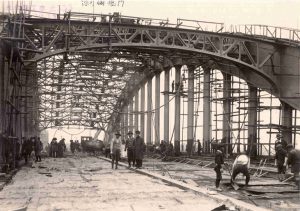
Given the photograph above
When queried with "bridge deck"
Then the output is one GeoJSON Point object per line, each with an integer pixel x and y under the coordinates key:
{"type": "Point", "coordinates": [89, 183]}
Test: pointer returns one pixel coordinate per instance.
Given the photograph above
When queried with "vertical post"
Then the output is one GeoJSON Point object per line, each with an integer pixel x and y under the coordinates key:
{"type": "Point", "coordinates": [252, 121]}
{"type": "Point", "coordinates": [287, 122]}
{"type": "Point", "coordinates": [26, 116]}
{"type": "Point", "coordinates": [130, 115]}
{"type": "Point", "coordinates": [149, 112]}
{"type": "Point", "coordinates": [226, 137]}
{"type": "Point", "coordinates": [2, 115]}
{"type": "Point", "coordinates": [206, 110]}
{"type": "Point", "coordinates": [125, 113]}
{"type": "Point", "coordinates": [177, 102]}
{"type": "Point", "coordinates": [122, 125]}
{"type": "Point", "coordinates": [143, 110]}
{"type": "Point", "coordinates": [190, 114]}
{"type": "Point", "coordinates": [136, 110]}
{"type": "Point", "coordinates": [166, 107]}
{"type": "Point", "coordinates": [157, 109]}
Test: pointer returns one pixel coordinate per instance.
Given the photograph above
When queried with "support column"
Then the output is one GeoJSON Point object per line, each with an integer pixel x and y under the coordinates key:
{"type": "Point", "coordinates": [206, 111]}
{"type": "Point", "coordinates": [149, 112]}
{"type": "Point", "coordinates": [136, 110]}
{"type": "Point", "coordinates": [143, 111]}
{"type": "Point", "coordinates": [287, 122]}
{"type": "Point", "coordinates": [226, 136]}
{"type": "Point", "coordinates": [125, 113]}
{"type": "Point", "coordinates": [166, 107]}
{"type": "Point", "coordinates": [190, 114]}
{"type": "Point", "coordinates": [177, 102]}
{"type": "Point", "coordinates": [252, 121]}
{"type": "Point", "coordinates": [27, 115]}
{"type": "Point", "coordinates": [2, 114]}
{"type": "Point", "coordinates": [157, 109]}
{"type": "Point", "coordinates": [122, 126]}
{"type": "Point", "coordinates": [130, 115]}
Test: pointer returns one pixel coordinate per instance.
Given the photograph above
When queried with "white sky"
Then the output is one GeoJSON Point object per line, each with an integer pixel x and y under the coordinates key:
{"type": "Point", "coordinates": [270, 12]}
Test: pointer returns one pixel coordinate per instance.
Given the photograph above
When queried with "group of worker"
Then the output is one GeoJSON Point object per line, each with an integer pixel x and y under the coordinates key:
{"type": "Point", "coordinates": [286, 155]}
{"type": "Point", "coordinates": [135, 147]}
{"type": "Point", "coordinates": [74, 146]}
{"type": "Point", "coordinates": [29, 145]}
{"type": "Point", "coordinates": [57, 149]}
{"type": "Point", "coordinates": [165, 149]}
{"type": "Point", "coordinates": [241, 164]}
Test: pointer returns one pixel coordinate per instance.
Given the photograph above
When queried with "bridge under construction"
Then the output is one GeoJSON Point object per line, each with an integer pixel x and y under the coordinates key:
{"type": "Point", "coordinates": [178, 82]}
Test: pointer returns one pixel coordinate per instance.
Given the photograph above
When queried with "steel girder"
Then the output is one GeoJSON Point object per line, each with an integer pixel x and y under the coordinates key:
{"type": "Point", "coordinates": [252, 57]}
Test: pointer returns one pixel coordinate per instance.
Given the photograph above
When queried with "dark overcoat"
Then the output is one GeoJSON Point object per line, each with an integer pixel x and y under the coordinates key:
{"type": "Point", "coordinates": [294, 160]}
{"type": "Point", "coordinates": [140, 147]}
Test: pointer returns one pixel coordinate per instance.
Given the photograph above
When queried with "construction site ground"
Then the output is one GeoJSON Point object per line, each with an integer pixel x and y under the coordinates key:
{"type": "Point", "coordinates": [264, 190]}
{"type": "Point", "coordinates": [87, 182]}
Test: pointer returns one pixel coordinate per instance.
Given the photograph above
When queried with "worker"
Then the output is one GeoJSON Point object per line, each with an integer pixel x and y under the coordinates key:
{"type": "Point", "coordinates": [61, 148]}
{"type": "Point", "coordinates": [27, 149]}
{"type": "Point", "coordinates": [72, 146]}
{"type": "Point", "coordinates": [139, 149]}
{"type": "Point", "coordinates": [241, 165]}
{"type": "Point", "coordinates": [280, 140]}
{"type": "Point", "coordinates": [280, 161]}
{"type": "Point", "coordinates": [129, 146]}
{"type": "Point", "coordinates": [53, 147]}
{"type": "Point", "coordinates": [162, 147]}
{"type": "Point", "coordinates": [294, 162]}
{"type": "Point", "coordinates": [38, 147]}
{"type": "Point", "coordinates": [219, 161]}
{"type": "Point", "coordinates": [115, 149]}
{"type": "Point", "coordinates": [199, 147]}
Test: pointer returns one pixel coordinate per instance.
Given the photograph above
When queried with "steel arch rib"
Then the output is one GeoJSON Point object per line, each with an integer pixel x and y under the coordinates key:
{"type": "Point", "coordinates": [152, 46]}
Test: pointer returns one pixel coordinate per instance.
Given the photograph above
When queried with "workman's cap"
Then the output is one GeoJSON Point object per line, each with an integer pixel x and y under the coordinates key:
{"type": "Point", "coordinates": [54, 139]}
{"type": "Point", "coordinates": [289, 146]}
{"type": "Point", "coordinates": [117, 133]}
{"type": "Point", "coordinates": [137, 132]}
{"type": "Point", "coordinates": [279, 135]}
{"type": "Point", "coordinates": [130, 132]}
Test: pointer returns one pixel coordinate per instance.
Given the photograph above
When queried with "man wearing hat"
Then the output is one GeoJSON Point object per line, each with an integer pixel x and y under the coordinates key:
{"type": "Point", "coordinates": [280, 140]}
{"type": "Point", "coordinates": [140, 147]}
{"type": "Point", "coordinates": [280, 161]}
{"type": "Point", "coordinates": [129, 146]}
{"type": "Point", "coordinates": [53, 147]}
{"type": "Point", "coordinates": [294, 161]}
{"type": "Point", "coordinates": [115, 149]}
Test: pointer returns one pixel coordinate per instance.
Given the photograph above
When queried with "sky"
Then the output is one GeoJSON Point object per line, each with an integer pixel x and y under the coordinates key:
{"type": "Point", "coordinates": [269, 12]}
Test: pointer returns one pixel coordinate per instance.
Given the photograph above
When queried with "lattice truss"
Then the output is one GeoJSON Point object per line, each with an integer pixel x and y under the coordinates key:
{"type": "Point", "coordinates": [83, 89]}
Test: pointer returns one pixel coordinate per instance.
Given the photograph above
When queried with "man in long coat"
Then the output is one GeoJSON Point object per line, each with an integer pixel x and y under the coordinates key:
{"type": "Point", "coordinates": [129, 146]}
{"type": "Point", "coordinates": [140, 147]}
